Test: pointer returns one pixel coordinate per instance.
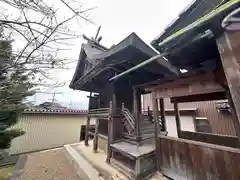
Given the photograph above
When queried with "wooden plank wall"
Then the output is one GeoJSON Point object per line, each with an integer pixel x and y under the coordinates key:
{"type": "Point", "coordinates": [230, 141]}
{"type": "Point", "coordinates": [221, 122]}
{"type": "Point", "coordinates": [188, 160]}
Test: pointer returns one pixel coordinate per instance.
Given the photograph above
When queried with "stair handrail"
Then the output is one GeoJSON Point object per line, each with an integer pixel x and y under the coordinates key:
{"type": "Point", "coordinates": [129, 117]}
{"type": "Point", "coordinates": [129, 120]}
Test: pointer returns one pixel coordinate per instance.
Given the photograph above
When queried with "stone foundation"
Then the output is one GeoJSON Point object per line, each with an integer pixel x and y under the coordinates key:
{"type": "Point", "coordinates": [102, 144]}
{"type": "Point", "coordinates": [136, 162]}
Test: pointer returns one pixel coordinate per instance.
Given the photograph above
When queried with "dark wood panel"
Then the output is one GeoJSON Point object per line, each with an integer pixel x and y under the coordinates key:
{"type": "Point", "coordinates": [230, 141]}
{"type": "Point", "coordinates": [189, 160]}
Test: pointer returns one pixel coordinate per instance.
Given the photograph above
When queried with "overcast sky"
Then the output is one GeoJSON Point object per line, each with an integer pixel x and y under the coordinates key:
{"type": "Point", "coordinates": [118, 19]}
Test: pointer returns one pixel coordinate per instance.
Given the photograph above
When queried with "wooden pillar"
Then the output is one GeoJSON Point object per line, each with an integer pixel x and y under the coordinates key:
{"type": "Point", "coordinates": [149, 114]}
{"type": "Point", "coordinates": [177, 117]}
{"type": "Point", "coordinates": [113, 134]}
{"type": "Point", "coordinates": [162, 111]}
{"type": "Point", "coordinates": [110, 130]}
{"type": "Point", "coordinates": [95, 140]}
{"type": "Point", "coordinates": [156, 127]}
{"type": "Point", "coordinates": [229, 48]}
{"type": "Point", "coordinates": [88, 122]}
{"type": "Point", "coordinates": [136, 110]}
{"type": "Point", "coordinates": [123, 106]}
{"type": "Point", "coordinates": [234, 115]}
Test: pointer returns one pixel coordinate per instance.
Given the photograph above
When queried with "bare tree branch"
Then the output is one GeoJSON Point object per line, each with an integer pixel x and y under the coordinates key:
{"type": "Point", "coordinates": [43, 31]}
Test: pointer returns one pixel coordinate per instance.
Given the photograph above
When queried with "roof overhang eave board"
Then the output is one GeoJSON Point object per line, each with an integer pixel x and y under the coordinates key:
{"type": "Point", "coordinates": [219, 12]}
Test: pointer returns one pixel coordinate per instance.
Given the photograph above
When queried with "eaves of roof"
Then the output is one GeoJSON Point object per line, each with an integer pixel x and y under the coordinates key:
{"type": "Point", "coordinates": [162, 40]}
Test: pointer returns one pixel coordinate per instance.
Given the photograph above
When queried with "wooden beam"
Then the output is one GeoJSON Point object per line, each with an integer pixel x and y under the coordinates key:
{"type": "Point", "coordinates": [162, 113]}
{"type": "Point", "coordinates": [95, 140]}
{"type": "Point", "coordinates": [87, 131]}
{"type": "Point", "coordinates": [191, 88]}
{"type": "Point", "coordinates": [200, 97]}
{"type": "Point", "coordinates": [110, 128]}
{"type": "Point", "coordinates": [229, 48]}
{"type": "Point", "coordinates": [177, 118]}
{"type": "Point", "coordinates": [87, 124]}
{"type": "Point", "coordinates": [185, 79]}
{"type": "Point", "coordinates": [234, 115]}
{"type": "Point", "coordinates": [149, 86]}
{"type": "Point", "coordinates": [114, 112]}
{"type": "Point", "coordinates": [136, 110]}
{"type": "Point", "coordinates": [156, 128]}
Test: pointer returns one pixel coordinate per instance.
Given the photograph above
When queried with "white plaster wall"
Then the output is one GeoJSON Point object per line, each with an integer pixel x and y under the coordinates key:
{"type": "Point", "coordinates": [45, 131]}
{"type": "Point", "coordinates": [187, 124]}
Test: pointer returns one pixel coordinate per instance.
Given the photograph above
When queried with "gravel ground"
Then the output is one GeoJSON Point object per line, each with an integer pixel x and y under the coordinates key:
{"type": "Point", "coordinates": [49, 165]}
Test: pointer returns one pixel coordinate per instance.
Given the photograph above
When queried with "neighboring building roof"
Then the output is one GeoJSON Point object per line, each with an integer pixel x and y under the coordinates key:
{"type": "Point", "coordinates": [54, 111]}
{"type": "Point", "coordinates": [51, 105]}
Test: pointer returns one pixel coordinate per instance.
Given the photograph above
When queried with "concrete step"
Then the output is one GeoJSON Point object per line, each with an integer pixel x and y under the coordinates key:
{"type": "Point", "coordinates": [81, 166]}
{"type": "Point", "coordinates": [89, 165]}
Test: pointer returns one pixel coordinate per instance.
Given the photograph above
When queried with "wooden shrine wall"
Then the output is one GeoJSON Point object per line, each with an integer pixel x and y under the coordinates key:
{"type": "Point", "coordinates": [221, 122]}
{"type": "Point", "coordinates": [185, 159]}
{"type": "Point", "coordinates": [230, 141]}
{"type": "Point", "coordinates": [106, 96]}
{"type": "Point", "coordinates": [124, 94]}
{"type": "Point", "coordinates": [190, 85]}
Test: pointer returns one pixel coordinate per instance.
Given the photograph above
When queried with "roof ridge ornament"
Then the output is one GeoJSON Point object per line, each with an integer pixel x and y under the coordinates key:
{"type": "Point", "coordinates": [232, 21]}
{"type": "Point", "coordinates": [96, 39]}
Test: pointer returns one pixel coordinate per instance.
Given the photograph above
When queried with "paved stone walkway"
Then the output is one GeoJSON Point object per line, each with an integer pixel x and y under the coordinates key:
{"type": "Point", "coordinates": [49, 165]}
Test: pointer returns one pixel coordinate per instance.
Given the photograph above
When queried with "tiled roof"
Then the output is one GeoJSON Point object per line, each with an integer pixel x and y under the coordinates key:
{"type": "Point", "coordinates": [55, 111]}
